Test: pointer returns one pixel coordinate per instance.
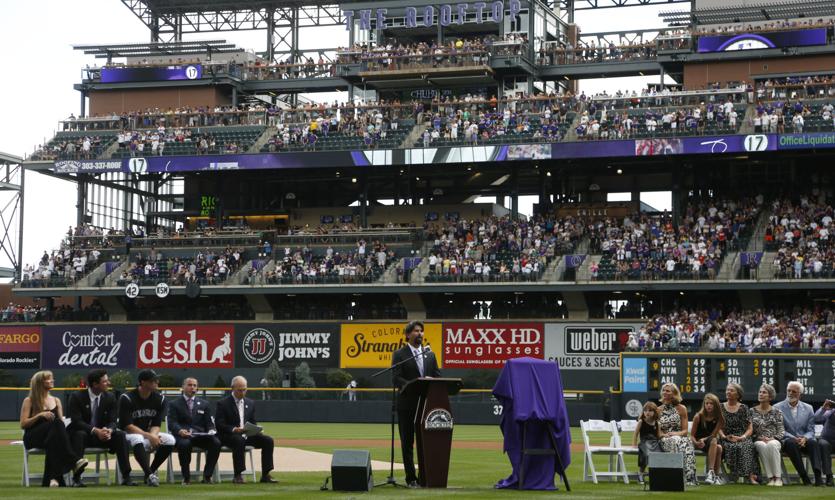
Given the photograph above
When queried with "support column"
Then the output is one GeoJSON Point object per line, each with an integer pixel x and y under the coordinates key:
{"type": "Point", "coordinates": [514, 192]}
{"type": "Point", "coordinates": [415, 308]}
{"type": "Point", "coordinates": [81, 200]}
{"type": "Point", "coordinates": [575, 304]}
{"type": "Point", "coordinates": [82, 112]}
{"type": "Point", "coordinates": [271, 36]}
{"type": "Point", "coordinates": [234, 96]}
{"type": "Point", "coordinates": [115, 310]}
{"type": "Point", "coordinates": [20, 194]}
{"type": "Point", "coordinates": [261, 306]}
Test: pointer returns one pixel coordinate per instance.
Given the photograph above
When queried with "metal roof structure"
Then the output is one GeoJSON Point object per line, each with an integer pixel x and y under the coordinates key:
{"type": "Point", "coordinates": [738, 13]}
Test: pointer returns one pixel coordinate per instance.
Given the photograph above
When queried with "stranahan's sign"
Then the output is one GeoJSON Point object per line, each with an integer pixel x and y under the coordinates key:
{"type": "Point", "coordinates": [413, 17]}
{"type": "Point", "coordinates": [371, 345]}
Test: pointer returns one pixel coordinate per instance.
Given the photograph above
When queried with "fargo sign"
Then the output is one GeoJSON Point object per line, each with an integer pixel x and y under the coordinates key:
{"type": "Point", "coordinates": [413, 17]}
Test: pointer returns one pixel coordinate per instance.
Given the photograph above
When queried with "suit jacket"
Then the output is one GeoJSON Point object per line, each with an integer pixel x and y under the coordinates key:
{"type": "Point", "coordinates": [79, 411]}
{"type": "Point", "coordinates": [803, 425]}
{"type": "Point", "coordinates": [226, 414]}
{"type": "Point", "coordinates": [408, 371]}
{"type": "Point", "coordinates": [201, 419]}
{"type": "Point", "coordinates": [827, 418]}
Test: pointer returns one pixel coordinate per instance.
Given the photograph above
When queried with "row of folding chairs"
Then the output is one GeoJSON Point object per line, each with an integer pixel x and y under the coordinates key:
{"type": "Point", "coordinates": [616, 451]}
{"type": "Point", "coordinates": [101, 473]}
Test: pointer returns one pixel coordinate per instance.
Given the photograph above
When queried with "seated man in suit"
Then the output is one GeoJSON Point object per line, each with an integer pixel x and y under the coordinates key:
{"type": "Point", "coordinates": [799, 434]}
{"type": "Point", "coordinates": [93, 414]}
{"type": "Point", "coordinates": [140, 416]}
{"type": "Point", "coordinates": [191, 422]}
{"type": "Point", "coordinates": [419, 362]}
{"type": "Point", "coordinates": [233, 412]}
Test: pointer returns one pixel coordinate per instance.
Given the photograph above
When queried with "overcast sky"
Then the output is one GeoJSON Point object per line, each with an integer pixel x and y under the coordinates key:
{"type": "Point", "coordinates": [41, 68]}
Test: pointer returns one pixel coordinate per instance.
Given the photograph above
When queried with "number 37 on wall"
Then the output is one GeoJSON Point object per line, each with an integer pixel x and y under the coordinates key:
{"type": "Point", "coordinates": [498, 409]}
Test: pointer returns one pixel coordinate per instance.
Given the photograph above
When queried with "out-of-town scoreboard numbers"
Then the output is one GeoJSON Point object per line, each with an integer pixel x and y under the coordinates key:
{"type": "Point", "coordinates": [700, 373]}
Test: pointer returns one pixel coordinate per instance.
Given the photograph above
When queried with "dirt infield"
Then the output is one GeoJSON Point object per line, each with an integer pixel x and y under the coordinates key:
{"type": "Point", "coordinates": [382, 443]}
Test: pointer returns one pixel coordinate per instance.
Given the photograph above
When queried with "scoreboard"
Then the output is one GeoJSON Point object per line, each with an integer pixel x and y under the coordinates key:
{"type": "Point", "coordinates": [698, 373]}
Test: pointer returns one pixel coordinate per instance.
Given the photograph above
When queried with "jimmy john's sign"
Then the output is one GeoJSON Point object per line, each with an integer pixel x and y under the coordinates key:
{"type": "Point", "coordinates": [288, 343]}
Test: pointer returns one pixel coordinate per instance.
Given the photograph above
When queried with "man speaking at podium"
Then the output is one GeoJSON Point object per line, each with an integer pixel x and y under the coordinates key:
{"type": "Point", "coordinates": [411, 361]}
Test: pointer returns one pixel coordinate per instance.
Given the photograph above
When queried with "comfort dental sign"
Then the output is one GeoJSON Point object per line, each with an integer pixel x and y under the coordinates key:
{"type": "Point", "coordinates": [447, 14]}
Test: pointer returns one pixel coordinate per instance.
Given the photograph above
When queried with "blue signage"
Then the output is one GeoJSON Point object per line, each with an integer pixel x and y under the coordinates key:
{"type": "Point", "coordinates": [446, 14]}
{"type": "Point", "coordinates": [152, 73]}
{"type": "Point", "coordinates": [807, 141]}
{"type": "Point", "coordinates": [635, 375]}
{"type": "Point", "coordinates": [752, 41]}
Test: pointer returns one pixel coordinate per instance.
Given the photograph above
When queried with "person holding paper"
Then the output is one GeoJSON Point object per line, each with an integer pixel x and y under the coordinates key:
{"type": "Point", "coordinates": [411, 361]}
{"type": "Point", "coordinates": [191, 422]}
{"type": "Point", "coordinates": [237, 429]}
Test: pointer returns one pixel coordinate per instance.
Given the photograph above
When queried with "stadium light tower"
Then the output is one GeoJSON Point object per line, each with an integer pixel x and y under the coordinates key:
{"type": "Point", "coordinates": [11, 212]}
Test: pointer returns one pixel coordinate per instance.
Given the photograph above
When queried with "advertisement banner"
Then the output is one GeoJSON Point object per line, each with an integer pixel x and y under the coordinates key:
{"type": "Point", "coordinates": [635, 375]}
{"type": "Point", "coordinates": [370, 345]}
{"type": "Point", "coordinates": [807, 141]}
{"type": "Point", "coordinates": [152, 74]}
{"type": "Point", "coordinates": [490, 345]}
{"type": "Point", "coordinates": [752, 41]}
{"type": "Point", "coordinates": [89, 346]}
{"type": "Point", "coordinates": [317, 344]}
{"type": "Point", "coordinates": [587, 347]}
{"type": "Point", "coordinates": [185, 346]}
{"type": "Point", "coordinates": [20, 347]}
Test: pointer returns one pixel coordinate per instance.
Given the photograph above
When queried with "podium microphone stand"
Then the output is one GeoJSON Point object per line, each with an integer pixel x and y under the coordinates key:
{"type": "Point", "coordinates": [390, 480]}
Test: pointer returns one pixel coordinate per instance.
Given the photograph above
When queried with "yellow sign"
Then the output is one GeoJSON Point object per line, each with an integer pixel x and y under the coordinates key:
{"type": "Point", "coordinates": [370, 345]}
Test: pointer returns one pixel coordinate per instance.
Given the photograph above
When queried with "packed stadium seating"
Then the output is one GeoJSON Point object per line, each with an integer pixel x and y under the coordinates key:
{"type": "Point", "coordinates": [761, 331]}
{"type": "Point", "coordinates": [800, 232]}
{"type": "Point", "coordinates": [652, 247]}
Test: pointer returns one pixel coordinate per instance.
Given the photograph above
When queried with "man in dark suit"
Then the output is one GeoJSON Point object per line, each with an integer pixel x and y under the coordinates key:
{"type": "Point", "coordinates": [233, 412]}
{"type": "Point", "coordinates": [93, 414]}
{"type": "Point", "coordinates": [417, 361]}
{"type": "Point", "coordinates": [191, 422]}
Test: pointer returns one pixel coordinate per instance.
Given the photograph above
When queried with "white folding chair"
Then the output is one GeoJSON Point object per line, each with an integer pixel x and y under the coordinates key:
{"type": "Point", "coordinates": [617, 465]}
{"type": "Point", "coordinates": [98, 474]}
{"type": "Point", "coordinates": [29, 476]}
{"type": "Point", "coordinates": [220, 475]}
{"type": "Point", "coordinates": [175, 474]}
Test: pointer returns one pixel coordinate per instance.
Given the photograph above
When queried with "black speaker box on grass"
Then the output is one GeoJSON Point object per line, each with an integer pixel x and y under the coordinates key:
{"type": "Point", "coordinates": [666, 472]}
{"type": "Point", "coordinates": [351, 470]}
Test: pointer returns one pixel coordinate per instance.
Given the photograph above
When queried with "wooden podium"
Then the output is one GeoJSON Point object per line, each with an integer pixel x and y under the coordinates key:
{"type": "Point", "coordinates": [433, 427]}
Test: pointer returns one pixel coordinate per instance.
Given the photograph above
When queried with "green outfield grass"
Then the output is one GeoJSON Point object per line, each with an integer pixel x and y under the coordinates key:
{"type": "Point", "coordinates": [472, 473]}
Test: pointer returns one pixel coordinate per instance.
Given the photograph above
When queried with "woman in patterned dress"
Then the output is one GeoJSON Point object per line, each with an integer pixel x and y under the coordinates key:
{"type": "Point", "coordinates": [767, 424]}
{"type": "Point", "coordinates": [736, 436]}
{"type": "Point", "coordinates": [673, 425]}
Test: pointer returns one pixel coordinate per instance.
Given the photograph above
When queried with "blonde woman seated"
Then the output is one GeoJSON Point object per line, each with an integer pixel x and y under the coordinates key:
{"type": "Point", "coordinates": [41, 419]}
{"type": "Point", "coordinates": [767, 424]}
{"type": "Point", "coordinates": [672, 423]}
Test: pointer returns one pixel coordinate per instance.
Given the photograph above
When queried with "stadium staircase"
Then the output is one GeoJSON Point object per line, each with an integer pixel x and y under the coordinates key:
{"type": "Point", "coordinates": [390, 275]}
{"type": "Point", "coordinates": [238, 276]}
{"type": "Point", "coordinates": [411, 140]}
{"type": "Point", "coordinates": [94, 277]}
{"type": "Point", "coordinates": [758, 238]}
{"type": "Point", "coordinates": [767, 269]}
{"type": "Point", "coordinates": [571, 133]}
{"type": "Point", "coordinates": [747, 125]}
{"type": "Point", "coordinates": [114, 276]}
{"type": "Point", "coordinates": [262, 140]}
{"type": "Point", "coordinates": [583, 272]}
{"type": "Point", "coordinates": [111, 149]}
{"type": "Point", "coordinates": [555, 269]}
{"type": "Point", "coordinates": [730, 266]}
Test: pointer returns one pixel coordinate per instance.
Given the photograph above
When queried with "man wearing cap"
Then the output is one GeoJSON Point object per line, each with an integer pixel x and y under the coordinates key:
{"type": "Point", "coordinates": [93, 414]}
{"type": "Point", "coordinates": [140, 416]}
{"type": "Point", "coordinates": [191, 422]}
{"type": "Point", "coordinates": [233, 413]}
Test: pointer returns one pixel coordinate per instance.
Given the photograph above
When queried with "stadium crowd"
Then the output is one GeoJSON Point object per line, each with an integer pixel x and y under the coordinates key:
{"type": "Point", "coordinates": [498, 248]}
{"type": "Point", "coordinates": [208, 268]}
{"type": "Point", "coordinates": [800, 232]}
{"type": "Point", "coordinates": [364, 264]}
{"type": "Point", "coordinates": [645, 247]}
{"type": "Point", "coordinates": [761, 330]}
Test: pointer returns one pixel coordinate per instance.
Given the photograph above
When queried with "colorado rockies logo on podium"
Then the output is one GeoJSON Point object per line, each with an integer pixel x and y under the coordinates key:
{"type": "Point", "coordinates": [259, 346]}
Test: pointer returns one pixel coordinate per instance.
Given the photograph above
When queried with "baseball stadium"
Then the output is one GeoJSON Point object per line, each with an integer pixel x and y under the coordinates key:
{"type": "Point", "coordinates": [621, 283]}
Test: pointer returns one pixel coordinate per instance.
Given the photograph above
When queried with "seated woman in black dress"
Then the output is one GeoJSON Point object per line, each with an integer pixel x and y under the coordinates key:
{"type": "Point", "coordinates": [41, 419]}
